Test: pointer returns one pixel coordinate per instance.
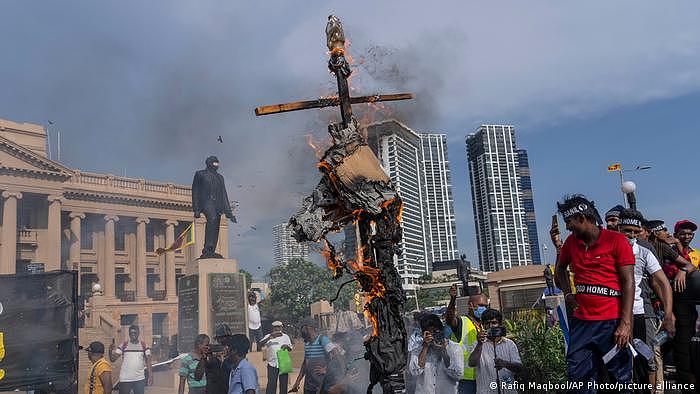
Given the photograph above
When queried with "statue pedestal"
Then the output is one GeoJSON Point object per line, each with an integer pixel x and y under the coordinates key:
{"type": "Point", "coordinates": [213, 292]}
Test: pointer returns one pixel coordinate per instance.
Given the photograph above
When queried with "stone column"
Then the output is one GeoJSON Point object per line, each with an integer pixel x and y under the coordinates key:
{"type": "Point", "coordinates": [222, 243]}
{"type": "Point", "coordinates": [75, 244]}
{"type": "Point", "coordinates": [141, 276]}
{"type": "Point", "coordinates": [170, 284]}
{"type": "Point", "coordinates": [8, 256]}
{"type": "Point", "coordinates": [53, 257]}
{"type": "Point", "coordinates": [107, 278]}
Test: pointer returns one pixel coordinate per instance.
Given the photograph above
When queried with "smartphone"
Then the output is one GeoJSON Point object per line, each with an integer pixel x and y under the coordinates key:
{"type": "Point", "coordinates": [555, 222]}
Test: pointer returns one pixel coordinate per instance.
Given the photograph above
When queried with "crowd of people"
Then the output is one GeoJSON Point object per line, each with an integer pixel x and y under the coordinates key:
{"type": "Point", "coordinates": [630, 289]}
{"type": "Point", "coordinates": [630, 286]}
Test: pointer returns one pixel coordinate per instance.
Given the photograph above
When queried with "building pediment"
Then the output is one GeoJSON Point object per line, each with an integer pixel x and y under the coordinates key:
{"type": "Point", "coordinates": [16, 158]}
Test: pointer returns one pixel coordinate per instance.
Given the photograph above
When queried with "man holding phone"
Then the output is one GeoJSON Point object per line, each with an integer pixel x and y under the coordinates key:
{"type": "Point", "coordinates": [603, 265]}
{"type": "Point", "coordinates": [215, 364]}
{"type": "Point", "coordinates": [495, 357]}
{"type": "Point", "coordinates": [438, 363]}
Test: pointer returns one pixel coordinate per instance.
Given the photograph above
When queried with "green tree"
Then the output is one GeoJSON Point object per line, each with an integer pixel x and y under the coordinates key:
{"type": "Point", "coordinates": [432, 297]}
{"type": "Point", "coordinates": [296, 285]}
{"type": "Point", "coordinates": [248, 278]}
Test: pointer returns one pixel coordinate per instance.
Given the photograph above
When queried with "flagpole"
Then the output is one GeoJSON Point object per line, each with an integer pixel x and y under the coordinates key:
{"type": "Point", "coordinates": [622, 180]}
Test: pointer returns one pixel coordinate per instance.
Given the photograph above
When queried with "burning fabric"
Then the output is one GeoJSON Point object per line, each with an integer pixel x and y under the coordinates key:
{"type": "Point", "coordinates": [355, 189]}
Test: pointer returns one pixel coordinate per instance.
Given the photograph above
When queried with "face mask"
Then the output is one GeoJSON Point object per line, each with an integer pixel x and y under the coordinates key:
{"type": "Point", "coordinates": [478, 311]}
{"type": "Point", "coordinates": [632, 241]}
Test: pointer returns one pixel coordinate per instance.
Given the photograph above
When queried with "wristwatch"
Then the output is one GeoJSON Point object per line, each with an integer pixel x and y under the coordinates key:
{"type": "Point", "coordinates": [684, 270]}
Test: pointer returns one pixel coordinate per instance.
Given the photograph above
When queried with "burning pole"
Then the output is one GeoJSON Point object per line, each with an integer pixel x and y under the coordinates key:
{"type": "Point", "coordinates": [355, 189]}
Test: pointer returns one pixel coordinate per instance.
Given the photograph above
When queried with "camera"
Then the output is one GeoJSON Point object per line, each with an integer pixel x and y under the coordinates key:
{"type": "Point", "coordinates": [216, 348]}
{"type": "Point", "coordinates": [494, 332]}
{"type": "Point", "coordinates": [438, 337]}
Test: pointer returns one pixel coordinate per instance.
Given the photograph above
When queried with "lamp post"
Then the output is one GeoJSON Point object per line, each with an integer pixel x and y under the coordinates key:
{"type": "Point", "coordinates": [544, 253]}
{"type": "Point", "coordinates": [628, 187]}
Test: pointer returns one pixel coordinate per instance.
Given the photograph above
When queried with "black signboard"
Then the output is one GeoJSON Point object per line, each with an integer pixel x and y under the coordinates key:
{"type": "Point", "coordinates": [39, 331]}
{"type": "Point", "coordinates": [227, 301]}
{"type": "Point", "coordinates": [187, 311]}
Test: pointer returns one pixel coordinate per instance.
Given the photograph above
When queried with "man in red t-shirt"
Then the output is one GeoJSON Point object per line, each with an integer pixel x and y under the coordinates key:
{"type": "Point", "coordinates": [603, 265]}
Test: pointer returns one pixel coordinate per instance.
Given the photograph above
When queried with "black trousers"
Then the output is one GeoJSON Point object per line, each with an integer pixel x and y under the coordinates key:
{"type": "Point", "coordinates": [272, 376]}
{"type": "Point", "coordinates": [685, 329]}
{"type": "Point", "coordinates": [137, 387]}
{"type": "Point", "coordinates": [211, 230]}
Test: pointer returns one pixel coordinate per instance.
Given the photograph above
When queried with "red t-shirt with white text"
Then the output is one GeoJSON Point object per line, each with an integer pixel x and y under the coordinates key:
{"type": "Point", "coordinates": [596, 276]}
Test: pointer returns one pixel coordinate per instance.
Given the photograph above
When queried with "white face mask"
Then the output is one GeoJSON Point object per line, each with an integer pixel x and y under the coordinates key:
{"type": "Point", "coordinates": [632, 241]}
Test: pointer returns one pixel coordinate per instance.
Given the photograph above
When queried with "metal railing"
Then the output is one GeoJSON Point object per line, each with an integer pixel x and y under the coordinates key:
{"type": "Point", "coordinates": [118, 182]}
{"type": "Point", "coordinates": [127, 296]}
{"type": "Point", "coordinates": [158, 295]}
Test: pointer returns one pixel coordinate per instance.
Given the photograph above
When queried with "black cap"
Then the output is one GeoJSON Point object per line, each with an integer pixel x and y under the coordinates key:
{"type": "Point", "coordinates": [614, 211]}
{"type": "Point", "coordinates": [631, 217]}
{"type": "Point", "coordinates": [654, 225]}
{"type": "Point", "coordinates": [94, 347]}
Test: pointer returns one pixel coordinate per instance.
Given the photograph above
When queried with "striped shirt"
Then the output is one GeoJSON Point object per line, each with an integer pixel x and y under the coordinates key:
{"type": "Point", "coordinates": [317, 348]}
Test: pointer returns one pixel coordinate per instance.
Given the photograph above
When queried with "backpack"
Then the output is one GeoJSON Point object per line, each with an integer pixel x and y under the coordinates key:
{"type": "Point", "coordinates": [144, 347]}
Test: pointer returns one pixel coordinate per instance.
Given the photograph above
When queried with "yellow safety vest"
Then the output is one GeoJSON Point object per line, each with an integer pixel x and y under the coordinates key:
{"type": "Point", "coordinates": [467, 342]}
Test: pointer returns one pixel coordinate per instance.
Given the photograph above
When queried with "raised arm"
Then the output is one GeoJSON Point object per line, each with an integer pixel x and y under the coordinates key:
{"type": "Point", "coordinates": [451, 313]}
{"type": "Point", "coordinates": [113, 355]}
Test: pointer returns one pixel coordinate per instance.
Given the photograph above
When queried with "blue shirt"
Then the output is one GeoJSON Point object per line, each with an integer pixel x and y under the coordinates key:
{"type": "Point", "coordinates": [317, 348]}
{"type": "Point", "coordinates": [243, 378]}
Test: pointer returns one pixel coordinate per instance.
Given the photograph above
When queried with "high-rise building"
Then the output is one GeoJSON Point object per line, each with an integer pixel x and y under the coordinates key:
{"type": "Point", "coordinates": [528, 205]}
{"type": "Point", "coordinates": [417, 165]}
{"type": "Point", "coordinates": [285, 247]}
{"type": "Point", "coordinates": [499, 213]}
{"type": "Point", "coordinates": [438, 194]}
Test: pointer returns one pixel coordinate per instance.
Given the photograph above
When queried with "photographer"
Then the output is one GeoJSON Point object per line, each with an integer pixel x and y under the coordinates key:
{"type": "Point", "coordinates": [215, 364]}
{"type": "Point", "coordinates": [438, 363]}
{"type": "Point", "coordinates": [495, 357]}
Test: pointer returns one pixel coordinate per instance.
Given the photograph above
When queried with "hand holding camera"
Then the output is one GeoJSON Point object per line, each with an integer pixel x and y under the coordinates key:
{"type": "Point", "coordinates": [481, 336]}
{"type": "Point", "coordinates": [495, 332]}
{"type": "Point", "coordinates": [427, 338]}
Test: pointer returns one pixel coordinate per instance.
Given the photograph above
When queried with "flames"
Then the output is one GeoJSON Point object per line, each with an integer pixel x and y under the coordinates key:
{"type": "Point", "coordinates": [362, 267]}
{"type": "Point", "coordinates": [317, 146]}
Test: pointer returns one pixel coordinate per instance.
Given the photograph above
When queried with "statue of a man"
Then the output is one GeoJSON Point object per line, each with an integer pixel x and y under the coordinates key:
{"type": "Point", "coordinates": [464, 271]}
{"type": "Point", "coordinates": [209, 198]}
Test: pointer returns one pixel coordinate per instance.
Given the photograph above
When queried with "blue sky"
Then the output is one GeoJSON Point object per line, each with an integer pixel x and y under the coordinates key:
{"type": "Point", "coordinates": [145, 88]}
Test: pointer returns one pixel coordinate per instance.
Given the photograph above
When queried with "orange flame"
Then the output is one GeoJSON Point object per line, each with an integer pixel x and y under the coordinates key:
{"type": "Point", "coordinates": [332, 262]}
{"type": "Point", "coordinates": [315, 145]}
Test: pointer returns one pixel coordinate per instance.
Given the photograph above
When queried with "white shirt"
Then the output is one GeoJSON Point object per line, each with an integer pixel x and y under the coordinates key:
{"type": "Point", "coordinates": [435, 377]}
{"type": "Point", "coordinates": [253, 317]}
{"type": "Point", "coordinates": [506, 350]}
{"type": "Point", "coordinates": [644, 261]}
{"type": "Point", "coordinates": [133, 362]}
{"type": "Point", "coordinates": [273, 345]}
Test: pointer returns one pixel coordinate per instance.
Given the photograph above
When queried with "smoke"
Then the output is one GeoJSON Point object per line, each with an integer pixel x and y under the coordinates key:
{"type": "Point", "coordinates": [422, 67]}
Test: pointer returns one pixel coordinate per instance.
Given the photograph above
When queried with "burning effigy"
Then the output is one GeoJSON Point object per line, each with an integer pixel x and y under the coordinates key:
{"type": "Point", "coordinates": [355, 190]}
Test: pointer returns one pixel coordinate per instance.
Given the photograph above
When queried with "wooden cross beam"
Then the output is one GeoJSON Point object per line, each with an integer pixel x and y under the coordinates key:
{"type": "Point", "coordinates": [335, 39]}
